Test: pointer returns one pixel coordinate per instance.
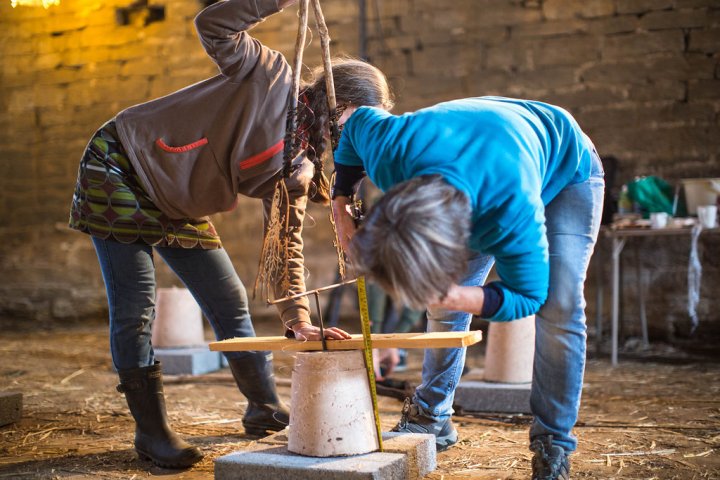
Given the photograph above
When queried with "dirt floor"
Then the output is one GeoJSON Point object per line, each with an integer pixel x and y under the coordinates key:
{"type": "Point", "coordinates": [656, 416]}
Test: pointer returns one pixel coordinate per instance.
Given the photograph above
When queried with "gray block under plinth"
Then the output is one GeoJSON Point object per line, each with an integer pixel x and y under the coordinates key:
{"type": "Point", "coordinates": [188, 360]}
{"type": "Point", "coordinates": [419, 450]}
{"type": "Point", "coordinates": [478, 396]}
{"type": "Point", "coordinates": [10, 407]}
{"type": "Point", "coordinates": [405, 457]}
{"type": "Point", "coordinates": [275, 462]}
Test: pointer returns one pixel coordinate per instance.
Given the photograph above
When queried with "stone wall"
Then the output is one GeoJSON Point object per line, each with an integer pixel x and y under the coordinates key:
{"type": "Point", "coordinates": [641, 76]}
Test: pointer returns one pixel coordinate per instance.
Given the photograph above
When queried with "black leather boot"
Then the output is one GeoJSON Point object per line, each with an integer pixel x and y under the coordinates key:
{"type": "Point", "coordinates": [254, 376]}
{"type": "Point", "coordinates": [154, 440]}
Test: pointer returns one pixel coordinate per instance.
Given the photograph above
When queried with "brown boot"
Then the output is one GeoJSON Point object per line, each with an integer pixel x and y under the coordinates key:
{"type": "Point", "coordinates": [154, 439]}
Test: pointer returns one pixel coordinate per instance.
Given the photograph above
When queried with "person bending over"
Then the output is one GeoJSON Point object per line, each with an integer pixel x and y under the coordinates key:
{"type": "Point", "coordinates": [471, 183]}
{"type": "Point", "coordinates": [149, 178]}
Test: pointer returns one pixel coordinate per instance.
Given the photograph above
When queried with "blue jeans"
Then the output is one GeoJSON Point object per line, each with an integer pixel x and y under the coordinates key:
{"type": "Point", "coordinates": [573, 221]}
{"type": "Point", "coordinates": [129, 274]}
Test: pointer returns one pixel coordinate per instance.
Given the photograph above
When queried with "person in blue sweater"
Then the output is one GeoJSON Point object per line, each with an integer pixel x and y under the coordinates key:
{"type": "Point", "coordinates": [471, 183]}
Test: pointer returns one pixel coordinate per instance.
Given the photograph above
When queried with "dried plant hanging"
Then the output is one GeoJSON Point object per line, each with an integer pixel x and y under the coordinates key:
{"type": "Point", "coordinates": [329, 82]}
{"type": "Point", "coordinates": [274, 257]}
{"type": "Point", "coordinates": [273, 267]}
{"type": "Point", "coordinates": [342, 269]}
{"type": "Point", "coordinates": [333, 115]}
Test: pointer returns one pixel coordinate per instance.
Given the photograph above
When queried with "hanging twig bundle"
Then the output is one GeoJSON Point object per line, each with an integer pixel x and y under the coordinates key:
{"type": "Point", "coordinates": [274, 256]}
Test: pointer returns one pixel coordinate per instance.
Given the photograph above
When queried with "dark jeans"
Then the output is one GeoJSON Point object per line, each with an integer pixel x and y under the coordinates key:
{"type": "Point", "coordinates": [129, 274]}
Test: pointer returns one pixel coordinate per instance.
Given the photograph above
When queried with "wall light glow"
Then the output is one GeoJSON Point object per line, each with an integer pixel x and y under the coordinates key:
{"type": "Point", "coordinates": [34, 3]}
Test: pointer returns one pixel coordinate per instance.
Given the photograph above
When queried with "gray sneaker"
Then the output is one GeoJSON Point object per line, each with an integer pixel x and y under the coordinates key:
{"type": "Point", "coordinates": [413, 422]}
{"type": "Point", "coordinates": [550, 461]}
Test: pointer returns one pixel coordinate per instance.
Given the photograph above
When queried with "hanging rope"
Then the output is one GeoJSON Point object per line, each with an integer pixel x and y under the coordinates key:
{"type": "Point", "coordinates": [274, 257]}
{"type": "Point", "coordinates": [327, 66]}
{"type": "Point", "coordinates": [292, 111]}
{"type": "Point", "coordinates": [333, 116]}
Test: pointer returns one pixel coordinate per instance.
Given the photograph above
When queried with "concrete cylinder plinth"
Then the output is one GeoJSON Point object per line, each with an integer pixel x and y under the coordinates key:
{"type": "Point", "coordinates": [178, 320]}
{"type": "Point", "coordinates": [331, 412]}
{"type": "Point", "coordinates": [510, 351]}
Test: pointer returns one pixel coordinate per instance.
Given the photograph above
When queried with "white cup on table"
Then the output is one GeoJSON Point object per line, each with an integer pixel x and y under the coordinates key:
{"type": "Point", "coordinates": [707, 214]}
{"type": "Point", "coordinates": [659, 219]}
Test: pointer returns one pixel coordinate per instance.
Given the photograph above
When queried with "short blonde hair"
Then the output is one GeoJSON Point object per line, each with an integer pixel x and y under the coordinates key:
{"type": "Point", "coordinates": [413, 241]}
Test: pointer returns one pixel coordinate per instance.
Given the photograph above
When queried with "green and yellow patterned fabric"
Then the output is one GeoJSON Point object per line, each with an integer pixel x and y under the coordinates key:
{"type": "Point", "coordinates": [110, 202]}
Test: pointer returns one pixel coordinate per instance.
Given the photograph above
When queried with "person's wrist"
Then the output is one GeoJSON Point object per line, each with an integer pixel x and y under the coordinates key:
{"type": "Point", "coordinates": [475, 299]}
{"type": "Point", "coordinates": [341, 206]}
{"type": "Point", "coordinates": [300, 325]}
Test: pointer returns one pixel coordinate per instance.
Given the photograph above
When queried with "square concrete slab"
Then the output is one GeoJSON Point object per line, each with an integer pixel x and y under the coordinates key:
{"type": "Point", "coordinates": [478, 396]}
{"type": "Point", "coordinates": [275, 462]}
{"type": "Point", "coordinates": [405, 457]}
{"type": "Point", "coordinates": [10, 407]}
{"type": "Point", "coordinates": [418, 448]}
{"type": "Point", "coordinates": [188, 361]}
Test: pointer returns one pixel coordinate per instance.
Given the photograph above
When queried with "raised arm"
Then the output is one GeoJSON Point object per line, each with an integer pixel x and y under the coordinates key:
{"type": "Point", "coordinates": [223, 26]}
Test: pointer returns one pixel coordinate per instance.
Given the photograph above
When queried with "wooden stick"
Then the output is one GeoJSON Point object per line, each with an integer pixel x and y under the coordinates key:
{"type": "Point", "coordinates": [312, 292]}
{"type": "Point", "coordinates": [379, 340]}
{"type": "Point", "coordinates": [324, 34]}
{"type": "Point", "coordinates": [327, 66]}
{"type": "Point", "coordinates": [291, 127]}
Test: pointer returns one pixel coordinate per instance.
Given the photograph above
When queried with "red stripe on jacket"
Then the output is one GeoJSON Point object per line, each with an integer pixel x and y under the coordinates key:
{"type": "Point", "coordinates": [199, 143]}
{"type": "Point", "coordinates": [262, 156]}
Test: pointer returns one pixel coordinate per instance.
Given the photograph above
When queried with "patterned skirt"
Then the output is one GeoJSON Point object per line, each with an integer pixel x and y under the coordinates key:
{"type": "Point", "coordinates": [110, 202]}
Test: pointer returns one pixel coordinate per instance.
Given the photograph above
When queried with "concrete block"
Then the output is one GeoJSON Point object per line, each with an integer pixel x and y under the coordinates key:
{"type": "Point", "coordinates": [418, 450]}
{"type": "Point", "coordinates": [477, 396]}
{"type": "Point", "coordinates": [188, 361]}
{"type": "Point", "coordinates": [273, 462]}
{"type": "Point", "coordinates": [10, 407]}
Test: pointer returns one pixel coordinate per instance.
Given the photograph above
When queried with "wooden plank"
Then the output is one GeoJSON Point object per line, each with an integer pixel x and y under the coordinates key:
{"type": "Point", "coordinates": [379, 340]}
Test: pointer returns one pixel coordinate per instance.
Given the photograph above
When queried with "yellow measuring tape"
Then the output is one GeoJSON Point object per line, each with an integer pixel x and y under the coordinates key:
{"type": "Point", "coordinates": [367, 343]}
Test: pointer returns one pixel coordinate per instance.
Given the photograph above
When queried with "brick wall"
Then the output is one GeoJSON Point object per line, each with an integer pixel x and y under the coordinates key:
{"type": "Point", "coordinates": [641, 76]}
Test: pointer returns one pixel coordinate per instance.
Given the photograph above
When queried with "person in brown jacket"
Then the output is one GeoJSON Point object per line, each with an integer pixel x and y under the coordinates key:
{"type": "Point", "coordinates": [149, 178]}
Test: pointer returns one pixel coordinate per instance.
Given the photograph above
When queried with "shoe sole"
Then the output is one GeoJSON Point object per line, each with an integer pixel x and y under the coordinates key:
{"type": "Point", "coordinates": [262, 430]}
{"type": "Point", "coordinates": [441, 447]}
{"type": "Point", "coordinates": [175, 466]}
{"type": "Point", "coordinates": [256, 432]}
{"type": "Point", "coordinates": [443, 443]}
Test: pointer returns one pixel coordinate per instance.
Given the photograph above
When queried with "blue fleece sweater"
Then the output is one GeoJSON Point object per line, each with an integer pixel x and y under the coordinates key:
{"type": "Point", "coordinates": [510, 157]}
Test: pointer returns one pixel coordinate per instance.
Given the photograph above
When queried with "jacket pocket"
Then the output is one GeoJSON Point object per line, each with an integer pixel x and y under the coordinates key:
{"type": "Point", "coordinates": [187, 181]}
{"type": "Point", "coordinates": [183, 148]}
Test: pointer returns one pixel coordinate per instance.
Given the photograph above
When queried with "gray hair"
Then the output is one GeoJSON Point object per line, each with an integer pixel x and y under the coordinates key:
{"type": "Point", "coordinates": [413, 241]}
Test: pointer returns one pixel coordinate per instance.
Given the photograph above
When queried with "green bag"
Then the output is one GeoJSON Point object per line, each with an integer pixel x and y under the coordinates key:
{"type": "Point", "coordinates": [652, 194]}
